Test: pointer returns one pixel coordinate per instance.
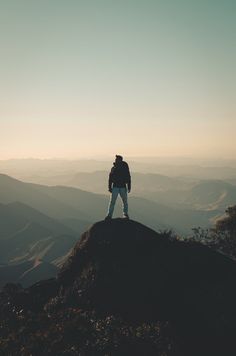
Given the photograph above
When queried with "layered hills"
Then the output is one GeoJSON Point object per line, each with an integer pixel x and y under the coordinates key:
{"type": "Point", "coordinates": [32, 244]}
{"type": "Point", "coordinates": [39, 224]}
{"type": "Point", "coordinates": [180, 192]}
{"type": "Point", "coordinates": [72, 206]}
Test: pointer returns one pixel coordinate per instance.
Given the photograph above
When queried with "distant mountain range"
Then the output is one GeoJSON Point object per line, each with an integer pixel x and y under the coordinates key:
{"type": "Point", "coordinates": [69, 204]}
{"type": "Point", "coordinates": [23, 216]}
{"type": "Point", "coordinates": [32, 244]}
{"type": "Point", "coordinates": [39, 224]}
{"type": "Point", "coordinates": [169, 166]}
{"type": "Point", "coordinates": [209, 195]}
{"type": "Point", "coordinates": [175, 192]}
{"type": "Point", "coordinates": [97, 181]}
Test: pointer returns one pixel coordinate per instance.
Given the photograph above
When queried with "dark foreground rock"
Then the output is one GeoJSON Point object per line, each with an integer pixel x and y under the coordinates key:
{"type": "Point", "coordinates": [144, 281]}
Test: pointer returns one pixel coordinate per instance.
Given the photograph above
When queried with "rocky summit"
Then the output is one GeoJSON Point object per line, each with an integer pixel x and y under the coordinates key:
{"type": "Point", "coordinates": [123, 269]}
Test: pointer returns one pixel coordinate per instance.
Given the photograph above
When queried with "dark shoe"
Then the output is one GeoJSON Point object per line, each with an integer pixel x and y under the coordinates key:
{"type": "Point", "coordinates": [126, 216]}
{"type": "Point", "coordinates": [108, 217]}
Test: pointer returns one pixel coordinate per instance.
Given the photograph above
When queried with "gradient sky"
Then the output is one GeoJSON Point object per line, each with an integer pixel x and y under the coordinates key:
{"type": "Point", "coordinates": [98, 77]}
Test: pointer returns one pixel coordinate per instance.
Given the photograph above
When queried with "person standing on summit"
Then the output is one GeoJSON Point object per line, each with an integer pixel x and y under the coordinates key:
{"type": "Point", "coordinates": [119, 183]}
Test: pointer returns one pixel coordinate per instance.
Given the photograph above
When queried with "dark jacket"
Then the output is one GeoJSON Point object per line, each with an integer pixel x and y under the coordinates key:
{"type": "Point", "coordinates": [119, 175]}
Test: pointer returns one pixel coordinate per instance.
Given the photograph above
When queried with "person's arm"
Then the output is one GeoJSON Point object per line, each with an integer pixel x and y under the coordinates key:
{"type": "Point", "coordinates": [110, 181]}
{"type": "Point", "coordinates": [128, 180]}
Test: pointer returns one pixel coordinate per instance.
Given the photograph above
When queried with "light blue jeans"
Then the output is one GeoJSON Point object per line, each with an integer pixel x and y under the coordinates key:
{"type": "Point", "coordinates": [114, 195]}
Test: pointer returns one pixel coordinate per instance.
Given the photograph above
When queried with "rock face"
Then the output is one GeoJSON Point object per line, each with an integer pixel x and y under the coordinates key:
{"type": "Point", "coordinates": [124, 267]}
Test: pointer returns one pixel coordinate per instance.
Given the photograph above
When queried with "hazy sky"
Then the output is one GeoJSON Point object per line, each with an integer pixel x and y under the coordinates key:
{"type": "Point", "coordinates": [97, 77]}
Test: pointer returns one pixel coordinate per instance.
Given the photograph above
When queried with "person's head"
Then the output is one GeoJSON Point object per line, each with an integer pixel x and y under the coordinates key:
{"type": "Point", "coordinates": [119, 158]}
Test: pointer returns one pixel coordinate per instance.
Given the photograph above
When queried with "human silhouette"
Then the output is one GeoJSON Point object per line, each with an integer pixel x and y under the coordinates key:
{"type": "Point", "coordinates": [119, 183]}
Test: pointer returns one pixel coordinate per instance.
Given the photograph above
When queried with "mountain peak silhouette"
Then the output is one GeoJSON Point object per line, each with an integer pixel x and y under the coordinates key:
{"type": "Point", "coordinates": [121, 266]}
{"type": "Point", "coordinates": [124, 269]}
